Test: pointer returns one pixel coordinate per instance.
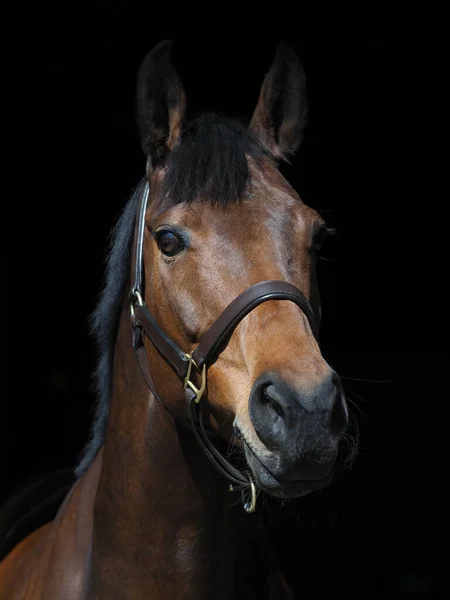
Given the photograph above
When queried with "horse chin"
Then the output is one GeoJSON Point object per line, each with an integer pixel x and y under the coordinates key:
{"type": "Point", "coordinates": [275, 486]}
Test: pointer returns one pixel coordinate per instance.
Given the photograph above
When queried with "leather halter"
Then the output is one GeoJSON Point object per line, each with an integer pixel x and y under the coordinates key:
{"type": "Point", "coordinates": [212, 344]}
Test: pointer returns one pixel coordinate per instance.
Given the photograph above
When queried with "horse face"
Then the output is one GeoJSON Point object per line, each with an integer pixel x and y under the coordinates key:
{"type": "Point", "coordinates": [270, 387]}
{"type": "Point", "coordinates": [222, 218]}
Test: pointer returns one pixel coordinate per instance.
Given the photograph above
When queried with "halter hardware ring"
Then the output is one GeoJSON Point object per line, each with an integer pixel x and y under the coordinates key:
{"type": "Point", "coordinates": [135, 298]}
{"type": "Point", "coordinates": [250, 506]}
{"type": "Point", "coordinates": [188, 383]}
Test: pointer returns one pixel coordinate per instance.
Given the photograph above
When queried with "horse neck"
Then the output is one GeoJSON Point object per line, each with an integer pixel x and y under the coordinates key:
{"type": "Point", "coordinates": [163, 522]}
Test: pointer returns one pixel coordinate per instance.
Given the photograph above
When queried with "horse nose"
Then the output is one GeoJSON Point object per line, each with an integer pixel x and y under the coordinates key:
{"type": "Point", "coordinates": [282, 414]}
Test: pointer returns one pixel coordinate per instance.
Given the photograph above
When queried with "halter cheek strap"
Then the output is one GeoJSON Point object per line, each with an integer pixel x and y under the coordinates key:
{"type": "Point", "coordinates": [192, 368]}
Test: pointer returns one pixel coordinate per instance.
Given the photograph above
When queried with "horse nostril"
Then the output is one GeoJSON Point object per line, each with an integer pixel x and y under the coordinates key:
{"type": "Point", "coordinates": [269, 396]}
{"type": "Point", "coordinates": [283, 415]}
{"type": "Point", "coordinates": [271, 409]}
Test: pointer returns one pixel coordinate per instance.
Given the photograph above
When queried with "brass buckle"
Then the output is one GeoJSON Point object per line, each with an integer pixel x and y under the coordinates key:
{"type": "Point", "coordinates": [188, 383]}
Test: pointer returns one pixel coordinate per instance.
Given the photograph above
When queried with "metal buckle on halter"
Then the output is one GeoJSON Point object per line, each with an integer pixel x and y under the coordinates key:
{"type": "Point", "coordinates": [249, 505]}
{"type": "Point", "coordinates": [135, 298]}
{"type": "Point", "coordinates": [188, 383]}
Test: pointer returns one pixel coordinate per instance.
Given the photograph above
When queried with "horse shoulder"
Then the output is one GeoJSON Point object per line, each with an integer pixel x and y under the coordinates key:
{"type": "Point", "coordinates": [53, 562]}
{"type": "Point", "coordinates": [22, 571]}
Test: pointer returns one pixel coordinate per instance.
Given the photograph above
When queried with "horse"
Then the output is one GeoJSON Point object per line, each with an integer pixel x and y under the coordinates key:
{"type": "Point", "coordinates": [213, 392]}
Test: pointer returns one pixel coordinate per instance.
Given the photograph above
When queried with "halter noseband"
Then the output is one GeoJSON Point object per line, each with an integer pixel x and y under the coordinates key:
{"type": "Point", "coordinates": [191, 368]}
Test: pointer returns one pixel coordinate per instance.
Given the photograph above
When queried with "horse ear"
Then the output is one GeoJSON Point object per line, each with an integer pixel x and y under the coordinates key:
{"type": "Point", "coordinates": [280, 114]}
{"type": "Point", "coordinates": [160, 103]}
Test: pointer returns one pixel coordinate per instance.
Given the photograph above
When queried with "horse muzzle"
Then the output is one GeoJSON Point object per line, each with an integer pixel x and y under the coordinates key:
{"type": "Point", "coordinates": [287, 483]}
{"type": "Point", "coordinates": [293, 444]}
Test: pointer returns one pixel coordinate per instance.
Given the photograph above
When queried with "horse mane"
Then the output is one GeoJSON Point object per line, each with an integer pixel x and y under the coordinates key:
{"type": "Point", "coordinates": [210, 162]}
{"type": "Point", "coordinates": [105, 322]}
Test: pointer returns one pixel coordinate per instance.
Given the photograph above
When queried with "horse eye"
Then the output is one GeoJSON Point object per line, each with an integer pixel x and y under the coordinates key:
{"type": "Point", "coordinates": [168, 242]}
{"type": "Point", "coordinates": [321, 235]}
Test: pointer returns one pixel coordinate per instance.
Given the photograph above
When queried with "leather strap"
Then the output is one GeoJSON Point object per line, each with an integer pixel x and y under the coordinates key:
{"type": "Point", "coordinates": [216, 338]}
{"type": "Point", "coordinates": [138, 245]}
{"type": "Point", "coordinates": [170, 351]}
{"type": "Point", "coordinates": [141, 355]}
{"type": "Point", "coordinates": [141, 316]}
{"type": "Point", "coordinates": [214, 456]}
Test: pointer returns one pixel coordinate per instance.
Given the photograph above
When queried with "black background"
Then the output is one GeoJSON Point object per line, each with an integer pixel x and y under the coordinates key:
{"type": "Point", "coordinates": [365, 165]}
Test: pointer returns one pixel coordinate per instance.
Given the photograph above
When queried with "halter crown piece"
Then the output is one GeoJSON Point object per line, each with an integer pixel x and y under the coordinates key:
{"type": "Point", "coordinates": [192, 368]}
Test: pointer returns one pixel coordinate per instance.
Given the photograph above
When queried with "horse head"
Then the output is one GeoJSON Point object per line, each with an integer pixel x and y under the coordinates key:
{"type": "Point", "coordinates": [221, 218]}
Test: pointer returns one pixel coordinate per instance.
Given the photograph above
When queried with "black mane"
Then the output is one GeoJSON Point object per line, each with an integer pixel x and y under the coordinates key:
{"type": "Point", "coordinates": [105, 320]}
{"type": "Point", "coordinates": [209, 163]}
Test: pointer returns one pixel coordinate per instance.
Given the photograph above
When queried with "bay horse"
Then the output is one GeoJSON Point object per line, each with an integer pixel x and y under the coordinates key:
{"type": "Point", "coordinates": [212, 388]}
